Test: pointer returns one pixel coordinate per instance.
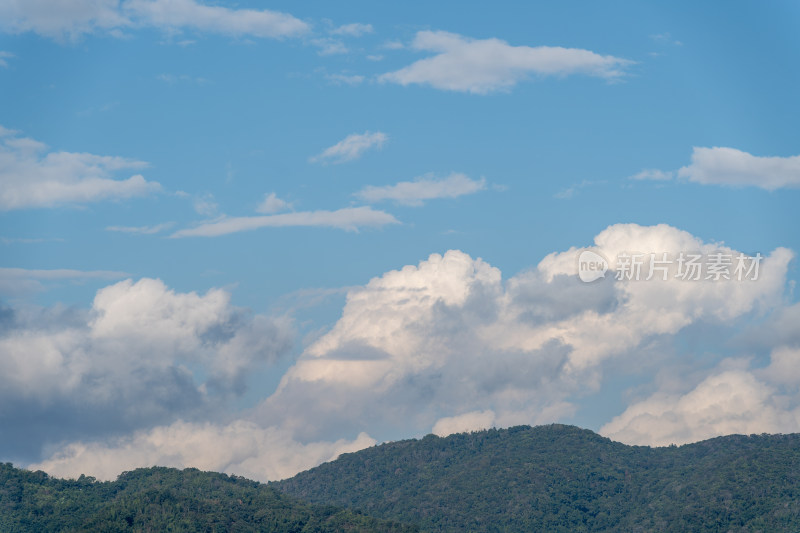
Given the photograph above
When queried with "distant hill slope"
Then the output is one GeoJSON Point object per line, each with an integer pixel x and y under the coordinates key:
{"type": "Point", "coordinates": [164, 499]}
{"type": "Point", "coordinates": [562, 478]}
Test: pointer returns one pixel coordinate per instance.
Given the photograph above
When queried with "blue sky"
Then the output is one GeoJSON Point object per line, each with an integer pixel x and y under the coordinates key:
{"type": "Point", "coordinates": [196, 197]}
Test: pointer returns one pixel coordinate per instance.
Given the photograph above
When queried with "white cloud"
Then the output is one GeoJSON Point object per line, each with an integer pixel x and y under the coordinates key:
{"type": "Point", "coordinates": [728, 401]}
{"type": "Point", "coordinates": [653, 174]}
{"type": "Point", "coordinates": [178, 14]}
{"type": "Point", "coordinates": [32, 177]}
{"type": "Point", "coordinates": [425, 188]}
{"type": "Point", "coordinates": [142, 230]}
{"type": "Point", "coordinates": [483, 66]}
{"type": "Point", "coordinates": [240, 448]}
{"type": "Point", "coordinates": [272, 204]}
{"type": "Point", "coordinates": [142, 354]}
{"type": "Point", "coordinates": [729, 166]}
{"type": "Point", "coordinates": [473, 421]}
{"type": "Point", "coordinates": [351, 147]}
{"type": "Point", "coordinates": [353, 30]}
{"type": "Point", "coordinates": [61, 20]}
{"type": "Point", "coordinates": [349, 219]}
{"type": "Point", "coordinates": [449, 336]}
{"type": "Point", "coordinates": [447, 344]}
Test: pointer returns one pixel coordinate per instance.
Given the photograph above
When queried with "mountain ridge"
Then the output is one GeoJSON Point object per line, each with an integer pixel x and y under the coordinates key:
{"type": "Point", "coordinates": [564, 478]}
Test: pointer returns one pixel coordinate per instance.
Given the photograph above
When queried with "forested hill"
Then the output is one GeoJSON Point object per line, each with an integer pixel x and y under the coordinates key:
{"type": "Point", "coordinates": [562, 478]}
{"type": "Point", "coordinates": [164, 499]}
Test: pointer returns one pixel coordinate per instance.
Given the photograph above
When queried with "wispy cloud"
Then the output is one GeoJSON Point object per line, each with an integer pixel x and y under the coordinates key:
{"type": "Point", "coordinates": [487, 65]}
{"type": "Point", "coordinates": [33, 177]}
{"type": "Point", "coordinates": [172, 79]}
{"type": "Point", "coordinates": [351, 147]}
{"type": "Point", "coordinates": [653, 174]}
{"type": "Point", "coordinates": [142, 230]}
{"type": "Point", "coordinates": [345, 79]}
{"type": "Point", "coordinates": [424, 188]}
{"type": "Point", "coordinates": [4, 56]}
{"type": "Point", "coordinates": [353, 30]}
{"type": "Point", "coordinates": [349, 219]}
{"type": "Point", "coordinates": [20, 281]}
{"type": "Point", "coordinates": [572, 190]}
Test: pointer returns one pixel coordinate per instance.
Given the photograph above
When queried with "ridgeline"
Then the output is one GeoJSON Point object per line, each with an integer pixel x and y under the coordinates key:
{"type": "Point", "coordinates": [563, 478]}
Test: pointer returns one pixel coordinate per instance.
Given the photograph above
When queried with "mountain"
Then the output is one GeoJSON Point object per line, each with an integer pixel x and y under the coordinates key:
{"type": "Point", "coordinates": [165, 499]}
{"type": "Point", "coordinates": [563, 478]}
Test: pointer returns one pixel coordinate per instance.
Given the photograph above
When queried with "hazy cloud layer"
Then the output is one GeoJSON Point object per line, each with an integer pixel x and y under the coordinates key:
{"type": "Point", "coordinates": [241, 448]}
{"type": "Point", "coordinates": [16, 281]}
{"type": "Point", "coordinates": [32, 176]}
{"type": "Point", "coordinates": [485, 65]}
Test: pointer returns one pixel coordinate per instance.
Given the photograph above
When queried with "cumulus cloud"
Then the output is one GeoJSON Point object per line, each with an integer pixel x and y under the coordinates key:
{"type": "Point", "coordinates": [142, 354]}
{"type": "Point", "coordinates": [351, 147]}
{"type": "Point", "coordinates": [61, 20]}
{"type": "Point", "coordinates": [449, 336]}
{"type": "Point", "coordinates": [241, 447]}
{"type": "Point", "coordinates": [31, 176]}
{"type": "Point", "coordinates": [728, 401]}
{"type": "Point", "coordinates": [348, 219]}
{"type": "Point", "coordinates": [729, 166]}
{"type": "Point", "coordinates": [447, 345]}
{"type": "Point", "coordinates": [482, 66]}
{"type": "Point", "coordinates": [424, 188]}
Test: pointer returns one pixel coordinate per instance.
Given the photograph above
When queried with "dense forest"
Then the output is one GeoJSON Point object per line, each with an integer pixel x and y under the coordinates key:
{"type": "Point", "coordinates": [562, 478]}
{"type": "Point", "coordinates": [164, 499]}
{"type": "Point", "coordinates": [547, 478]}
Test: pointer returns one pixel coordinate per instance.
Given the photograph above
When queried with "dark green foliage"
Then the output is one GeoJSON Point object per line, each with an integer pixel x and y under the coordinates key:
{"type": "Point", "coordinates": [164, 499]}
{"type": "Point", "coordinates": [562, 478]}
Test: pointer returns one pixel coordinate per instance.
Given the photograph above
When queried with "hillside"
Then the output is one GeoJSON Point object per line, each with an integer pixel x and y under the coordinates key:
{"type": "Point", "coordinates": [164, 499]}
{"type": "Point", "coordinates": [562, 478]}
